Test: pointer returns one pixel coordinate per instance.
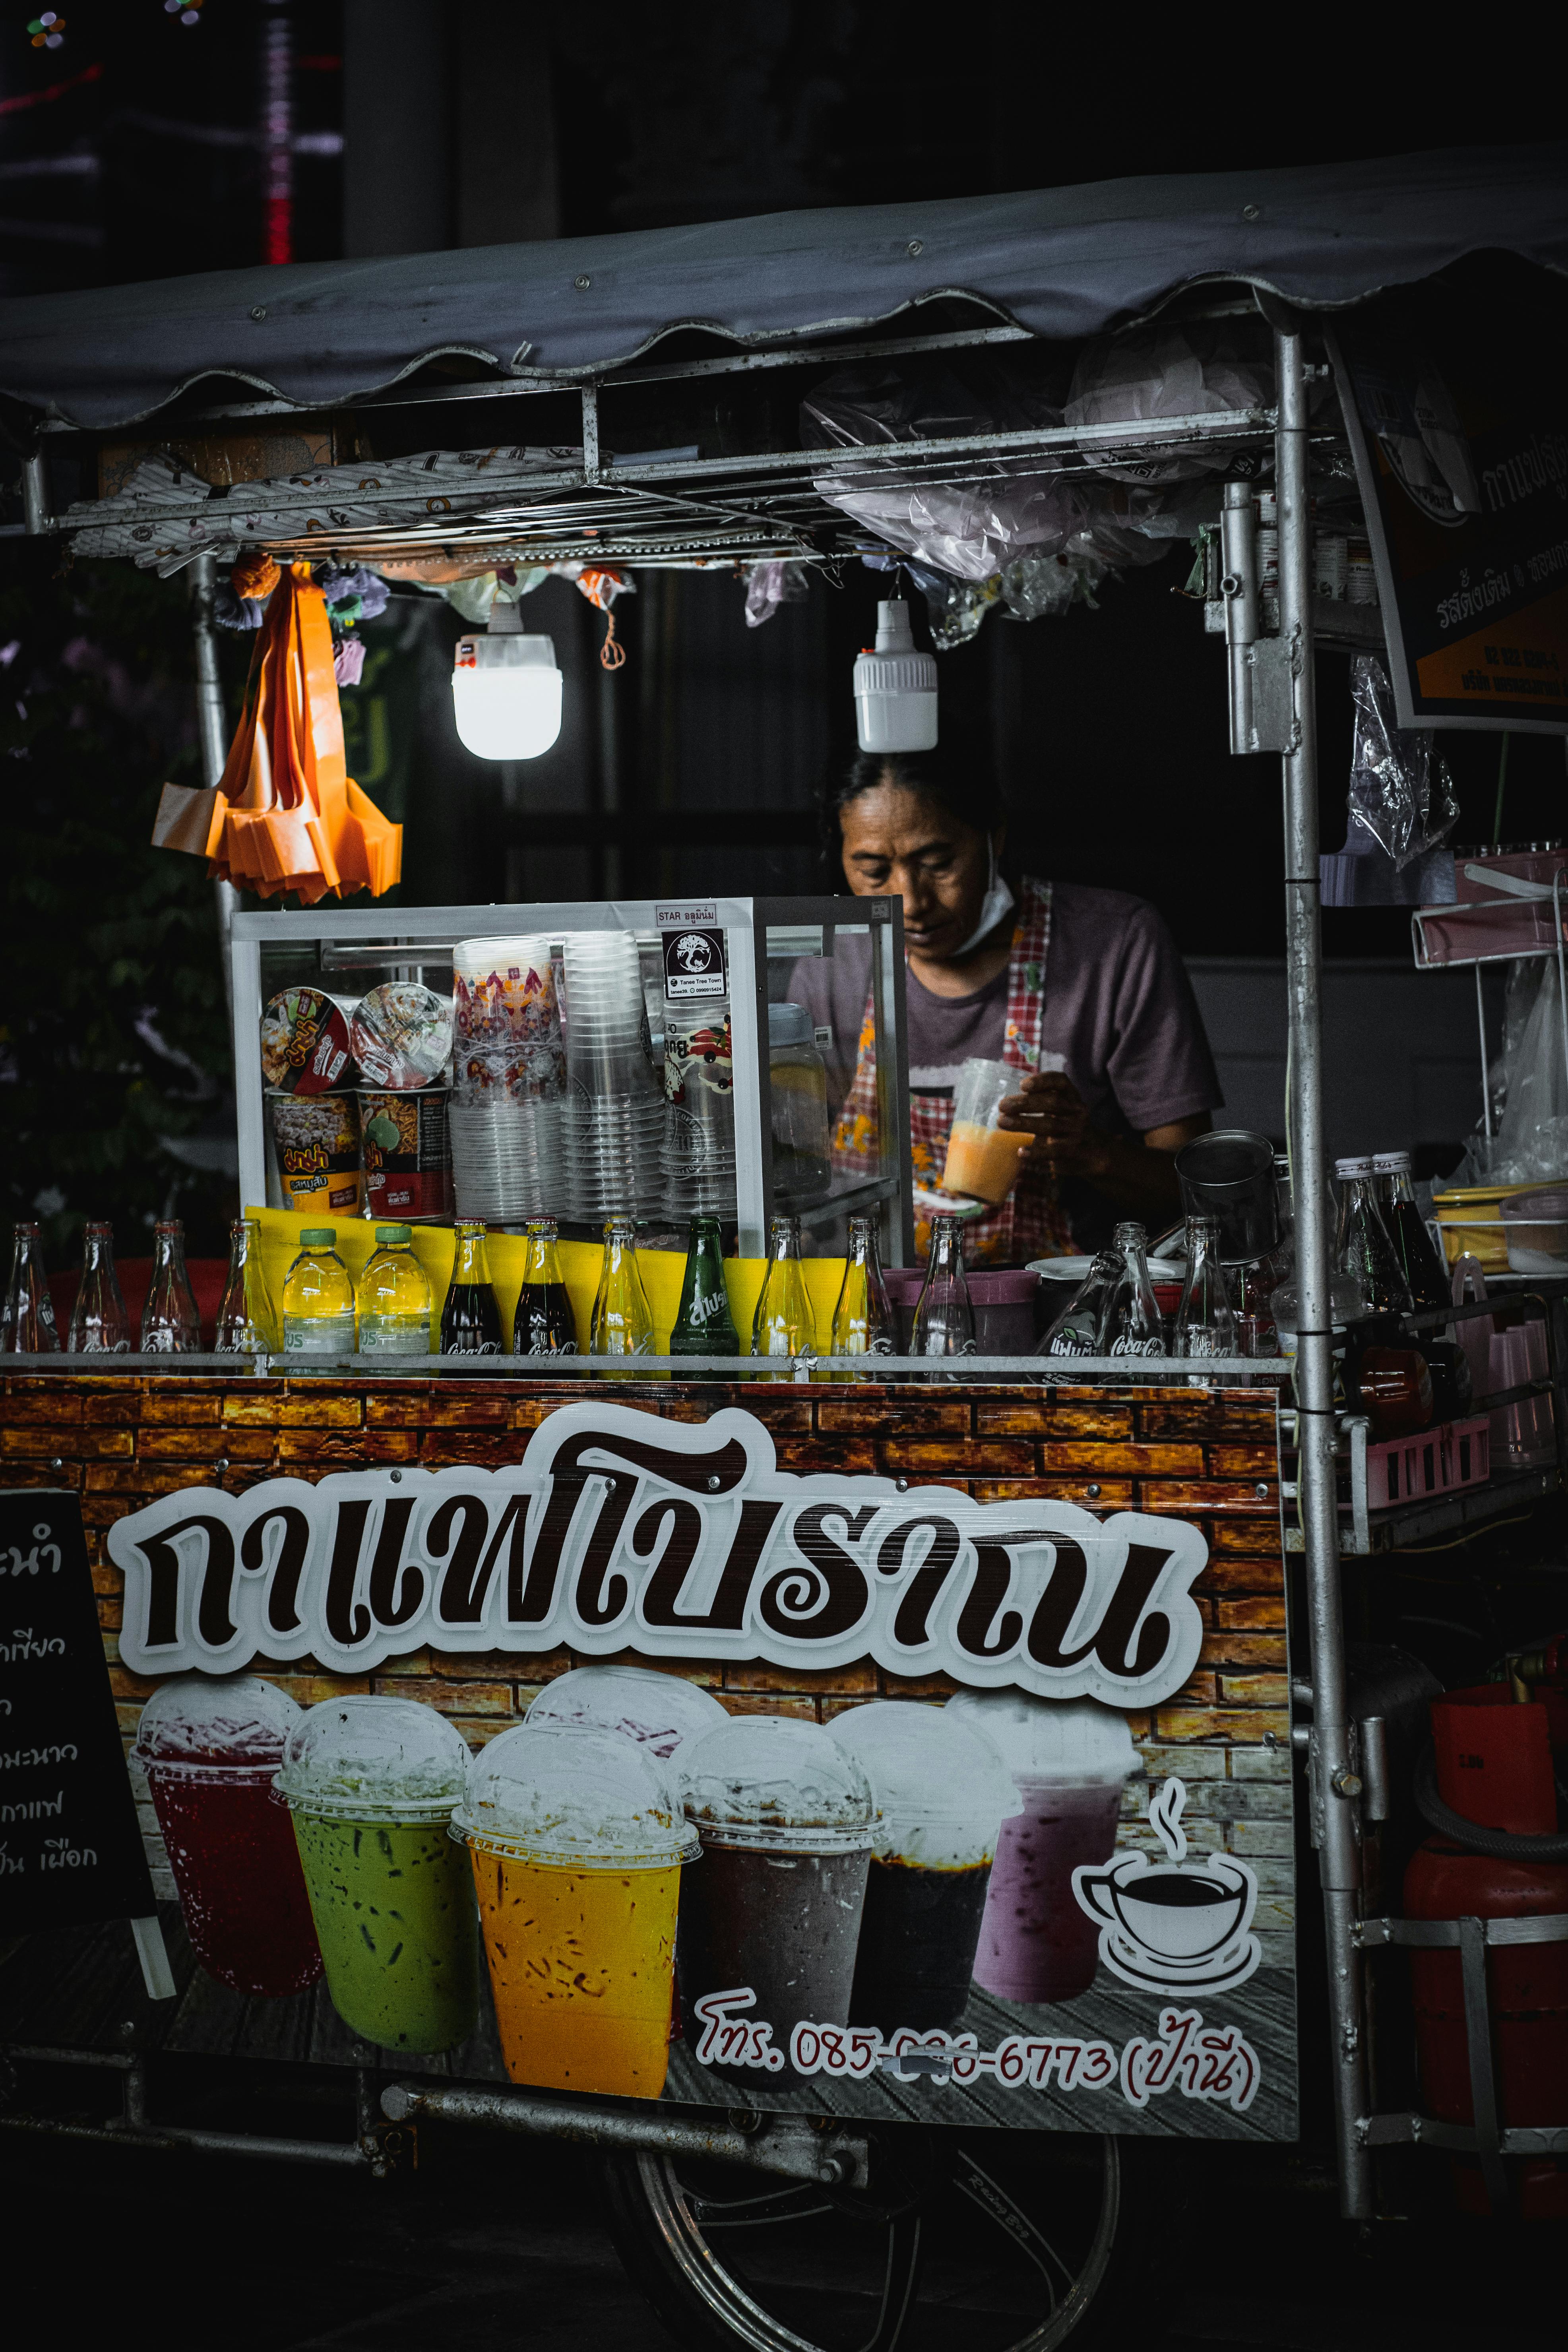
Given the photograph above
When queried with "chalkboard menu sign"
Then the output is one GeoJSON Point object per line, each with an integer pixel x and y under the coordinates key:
{"type": "Point", "coordinates": [70, 1845]}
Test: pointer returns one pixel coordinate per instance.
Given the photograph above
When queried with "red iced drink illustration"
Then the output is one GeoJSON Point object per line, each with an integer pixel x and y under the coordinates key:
{"type": "Point", "coordinates": [941, 1795]}
{"type": "Point", "coordinates": [784, 1816]}
{"type": "Point", "coordinates": [1069, 1760]}
{"type": "Point", "coordinates": [210, 1746]}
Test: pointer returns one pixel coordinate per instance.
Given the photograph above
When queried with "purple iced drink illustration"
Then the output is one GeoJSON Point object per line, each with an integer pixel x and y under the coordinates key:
{"type": "Point", "coordinates": [1069, 1760]}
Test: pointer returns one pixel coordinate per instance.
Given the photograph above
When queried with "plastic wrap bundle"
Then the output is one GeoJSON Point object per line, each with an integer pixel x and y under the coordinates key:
{"type": "Point", "coordinates": [699, 1151]}
{"type": "Point", "coordinates": [1007, 507]}
{"type": "Point", "coordinates": [509, 1073]}
{"type": "Point", "coordinates": [1400, 786]}
{"type": "Point", "coordinates": [1157, 373]}
{"type": "Point", "coordinates": [612, 1116]}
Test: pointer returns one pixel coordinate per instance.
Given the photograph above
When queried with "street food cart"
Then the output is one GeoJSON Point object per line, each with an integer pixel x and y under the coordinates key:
{"type": "Point", "coordinates": [1159, 1556]}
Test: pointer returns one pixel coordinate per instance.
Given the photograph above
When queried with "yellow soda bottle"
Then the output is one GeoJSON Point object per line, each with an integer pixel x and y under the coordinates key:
{"type": "Point", "coordinates": [394, 1298]}
{"type": "Point", "coordinates": [318, 1298]}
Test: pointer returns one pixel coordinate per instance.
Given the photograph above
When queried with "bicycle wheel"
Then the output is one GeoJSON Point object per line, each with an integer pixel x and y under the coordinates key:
{"type": "Point", "coordinates": [997, 2240]}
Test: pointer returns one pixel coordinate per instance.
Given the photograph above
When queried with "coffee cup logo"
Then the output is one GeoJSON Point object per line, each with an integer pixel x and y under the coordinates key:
{"type": "Point", "coordinates": [1172, 1926]}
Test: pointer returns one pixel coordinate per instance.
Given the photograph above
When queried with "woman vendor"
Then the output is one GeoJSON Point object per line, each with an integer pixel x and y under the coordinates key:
{"type": "Point", "coordinates": [1081, 989]}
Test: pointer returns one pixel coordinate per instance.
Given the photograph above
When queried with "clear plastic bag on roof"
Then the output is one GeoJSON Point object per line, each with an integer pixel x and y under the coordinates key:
{"type": "Point", "coordinates": [1400, 787]}
{"type": "Point", "coordinates": [772, 584]}
{"type": "Point", "coordinates": [1154, 372]}
{"type": "Point", "coordinates": [970, 530]}
{"type": "Point", "coordinates": [1529, 1087]}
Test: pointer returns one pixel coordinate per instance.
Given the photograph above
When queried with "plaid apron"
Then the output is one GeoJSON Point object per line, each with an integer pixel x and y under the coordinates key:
{"type": "Point", "coordinates": [1031, 1221]}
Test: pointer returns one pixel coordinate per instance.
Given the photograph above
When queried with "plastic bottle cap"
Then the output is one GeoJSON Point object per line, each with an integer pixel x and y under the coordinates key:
{"type": "Point", "coordinates": [1357, 1167]}
{"type": "Point", "coordinates": [318, 1236]}
{"type": "Point", "coordinates": [374, 1759]}
{"type": "Point", "coordinates": [790, 1025]}
{"type": "Point", "coordinates": [387, 1234]}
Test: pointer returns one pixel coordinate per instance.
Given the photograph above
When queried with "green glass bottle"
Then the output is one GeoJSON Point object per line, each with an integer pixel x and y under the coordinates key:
{"type": "Point", "coordinates": [622, 1323]}
{"type": "Point", "coordinates": [783, 1324]}
{"type": "Point", "coordinates": [703, 1323]}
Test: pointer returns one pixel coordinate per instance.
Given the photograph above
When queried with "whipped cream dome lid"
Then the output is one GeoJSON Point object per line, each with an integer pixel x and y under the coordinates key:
{"type": "Point", "coordinates": [216, 1722]}
{"type": "Point", "coordinates": [940, 1789]}
{"type": "Point", "coordinates": [1072, 1743]}
{"type": "Point", "coordinates": [370, 1758]}
{"type": "Point", "coordinates": [659, 1710]}
{"type": "Point", "coordinates": [574, 1798]}
{"type": "Point", "coordinates": [773, 1779]}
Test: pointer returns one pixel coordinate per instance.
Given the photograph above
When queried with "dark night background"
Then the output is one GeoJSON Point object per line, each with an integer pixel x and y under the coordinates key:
{"type": "Point", "coordinates": [136, 149]}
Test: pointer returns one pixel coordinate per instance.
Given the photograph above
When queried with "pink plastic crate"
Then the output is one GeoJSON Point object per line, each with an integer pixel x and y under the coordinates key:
{"type": "Point", "coordinates": [1408, 1469]}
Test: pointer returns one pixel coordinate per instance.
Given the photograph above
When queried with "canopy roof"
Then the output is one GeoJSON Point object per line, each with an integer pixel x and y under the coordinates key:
{"type": "Point", "coordinates": [1061, 263]}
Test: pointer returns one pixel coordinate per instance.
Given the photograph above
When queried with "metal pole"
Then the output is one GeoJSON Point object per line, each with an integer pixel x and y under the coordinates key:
{"type": "Point", "coordinates": [210, 730]}
{"type": "Point", "coordinates": [1334, 1785]}
{"type": "Point", "coordinates": [35, 494]}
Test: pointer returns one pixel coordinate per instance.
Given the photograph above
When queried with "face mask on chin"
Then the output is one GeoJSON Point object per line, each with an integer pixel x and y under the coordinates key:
{"type": "Point", "coordinates": [998, 901]}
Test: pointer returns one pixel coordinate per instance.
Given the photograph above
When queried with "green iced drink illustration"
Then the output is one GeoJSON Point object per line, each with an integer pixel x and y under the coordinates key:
{"type": "Point", "coordinates": [372, 1783]}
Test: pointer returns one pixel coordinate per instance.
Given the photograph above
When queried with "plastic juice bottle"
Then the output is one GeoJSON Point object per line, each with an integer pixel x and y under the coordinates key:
{"type": "Point", "coordinates": [394, 1298]}
{"type": "Point", "coordinates": [318, 1298]}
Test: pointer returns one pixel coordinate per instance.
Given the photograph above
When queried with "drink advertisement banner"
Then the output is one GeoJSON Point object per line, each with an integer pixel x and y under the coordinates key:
{"type": "Point", "coordinates": [1453, 409]}
{"type": "Point", "coordinates": [836, 1791]}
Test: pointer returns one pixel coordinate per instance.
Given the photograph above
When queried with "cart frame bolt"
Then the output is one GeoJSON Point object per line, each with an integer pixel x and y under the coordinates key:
{"type": "Point", "coordinates": [1346, 1784]}
{"type": "Point", "coordinates": [1092, 1492]}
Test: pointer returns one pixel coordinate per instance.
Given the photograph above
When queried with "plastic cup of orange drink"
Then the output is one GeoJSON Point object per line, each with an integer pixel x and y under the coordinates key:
{"type": "Point", "coordinates": [983, 1158]}
{"type": "Point", "coordinates": [577, 1840]}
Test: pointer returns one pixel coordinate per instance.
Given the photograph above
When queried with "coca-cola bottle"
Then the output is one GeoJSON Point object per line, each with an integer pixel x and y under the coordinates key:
{"type": "Point", "coordinates": [1133, 1325]}
{"type": "Point", "coordinates": [544, 1324]}
{"type": "Point", "coordinates": [100, 1325]}
{"type": "Point", "coordinates": [28, 1327]}
{"type": "Point", "coordinates": [1205, 1321]}
{"type": "Point", "coordinates": [170, 1323]}
{"type": "Point", "coordinates": [470, 1320]}
{"type": "Point", "coordinates": [245, 1322]}
{"type": "Point", "coordinates": [1080, 1328]}
{"type": "Point", "coordinates": [1364, 1249]}
{"type": "Point", "coordinates": [944, 1317]}
{"type": "Point", "coordinates": [1418, 1262]}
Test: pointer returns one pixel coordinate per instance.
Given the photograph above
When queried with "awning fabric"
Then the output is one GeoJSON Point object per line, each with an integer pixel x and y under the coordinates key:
{"type": "Point", "coordinates": [1063, 262]}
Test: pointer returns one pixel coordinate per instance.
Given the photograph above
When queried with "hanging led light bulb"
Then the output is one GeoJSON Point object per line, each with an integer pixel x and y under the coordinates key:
{"type": "Point", "coordinates": [506, 689]}
{"type": "Point", "coordinates": [895, 687]}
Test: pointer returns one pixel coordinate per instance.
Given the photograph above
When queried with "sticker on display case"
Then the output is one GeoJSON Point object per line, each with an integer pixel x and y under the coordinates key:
{"type": "Point", "coordinates": [694, 967]}
{"type": "Point", "coordinates": [966, 1894]}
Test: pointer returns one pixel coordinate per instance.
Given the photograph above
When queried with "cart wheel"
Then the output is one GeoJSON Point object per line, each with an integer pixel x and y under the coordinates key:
{"type": "Point", "coordinates": [1002, 2241]}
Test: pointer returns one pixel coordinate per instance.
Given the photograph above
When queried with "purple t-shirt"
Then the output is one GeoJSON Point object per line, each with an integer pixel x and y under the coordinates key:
{"type": "Point", "coordinates": [1120, 1009]}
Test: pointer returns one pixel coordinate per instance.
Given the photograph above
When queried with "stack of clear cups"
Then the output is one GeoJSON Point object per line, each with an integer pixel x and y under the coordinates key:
{"type": "Point", "coordinates": [613, 1116]}
{"type": "Point", "coordinates": [698, 1155]}
{"type": "Point", "coordinates": [509, 1071]}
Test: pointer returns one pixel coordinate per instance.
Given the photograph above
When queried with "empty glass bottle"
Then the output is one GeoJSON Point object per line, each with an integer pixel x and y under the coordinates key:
{"type": "Point", "coordinates": [1205, 1321]}
{"type": "Point", "coordinates": [1425, 1276]}
{"type": "Point", "coordinates": [246, 1323]}
{"type": "Point", "coordinates": [1133, 1326]}
{"type": "Point", "coordinates": [393, 1297]}
{"type": "Point", "coordinates": [28, 1327]}
{"type": "Point", "coordinates": [100, 1325]}
{"type": "Point", "coordinates": [622, 1323]}
{"type": "Point", "coordinates": [783, 1324]}
{"type": "Point", "coordinates": [544, 1324]}
{"type": "Point", "coordinates": [318, 1298]}
{"type": "Point", "coordinates": [170, 1324]}
{"type": "Point", "coordinates": [703, 1323]}
{"type": "Point", "coordinates": [1080, 1328]}
{"type": "Point", "coordinates": [944, 1318]}
{"type": "Point", "coordinates": [863, 1320]}
{"type": "Point", "coordinates": [1364, 1250]}
{"type": "Point", "coordinates": [470, 1319]}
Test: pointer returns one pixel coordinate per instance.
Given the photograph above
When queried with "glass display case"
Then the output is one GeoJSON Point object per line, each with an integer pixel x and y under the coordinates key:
{"type": "Point", "coordinates": [654, 1058]}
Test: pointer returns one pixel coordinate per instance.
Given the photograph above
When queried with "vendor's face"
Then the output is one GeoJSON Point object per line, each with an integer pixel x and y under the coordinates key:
{"type": "Point", "coordinates": [897, 844]}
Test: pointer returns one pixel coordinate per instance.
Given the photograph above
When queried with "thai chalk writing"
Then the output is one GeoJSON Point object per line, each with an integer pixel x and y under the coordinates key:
{"type": "Point", "coordinates": [22, 1644]}
{"type": "Point", "coordinates": [22, 1759]}
{"type": "Point", "coordinates": [10, 1863]}
{"type": "Point", "coordinates": [58, 1853]}
{"type": "Point", "coordinates": [43, 1556]}
{"type": "Point", "coordinates": [622, 1530]}
{"type": "Point", "coordinates": [34, 1809]}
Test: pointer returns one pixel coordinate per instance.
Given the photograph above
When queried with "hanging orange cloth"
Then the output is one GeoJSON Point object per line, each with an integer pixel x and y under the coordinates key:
{"type": "Point", "coordinates": [287, 815]}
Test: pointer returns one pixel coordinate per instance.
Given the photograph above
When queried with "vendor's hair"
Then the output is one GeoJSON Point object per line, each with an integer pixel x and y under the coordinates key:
{"type": "Point", "coordinates": [968, 796]}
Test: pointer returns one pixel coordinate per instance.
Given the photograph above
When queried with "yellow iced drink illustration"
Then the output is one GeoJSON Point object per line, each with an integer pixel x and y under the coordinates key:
{"type": "Point", "coordinates": [577, 1840]}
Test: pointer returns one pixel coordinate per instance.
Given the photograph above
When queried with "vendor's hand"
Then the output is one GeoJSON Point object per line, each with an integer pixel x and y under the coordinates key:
{"type": "Point", "coordinates": [1048, 1108]}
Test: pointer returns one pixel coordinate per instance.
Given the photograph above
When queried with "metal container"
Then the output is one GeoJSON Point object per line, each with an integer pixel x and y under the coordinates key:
{"type": "Point", "coordinates": [1230, 1175]}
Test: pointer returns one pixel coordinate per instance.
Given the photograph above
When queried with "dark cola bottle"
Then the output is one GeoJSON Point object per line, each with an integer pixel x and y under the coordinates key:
{"type": "Point", "coordinates": [470, 1320]}
{"type": "Point", "coordinates": [545, 1325]}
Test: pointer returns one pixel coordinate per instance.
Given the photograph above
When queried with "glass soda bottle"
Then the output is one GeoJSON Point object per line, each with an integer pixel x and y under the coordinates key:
{"type": "Point", "coordinates": [1133, 1327]}
{"type": "Point", "coordinates": [470, 1320]}
{"type": "Point", "coordinates": [170, 1324]}
{"type": "Point", "coordinates": [623, 1325]}
{"type": "Point", "coordinates": [393, 1297]}
{"type": "Point", "coordinates": [318, 1298]}
{"type": "Point", "coordinates": [1425, 1276]}
{"type": "Point", "coordinates": [944, 1317]}
{"type": "Point", "coordinates": [246, 1323]}
{"type": "Point", "coordinates": [783, 1324]}
{"type": "Point", "coordinates": [100, 1325]}
{"type": "Point", "coordinates": [28, 1328]}
{"type": "Point", "coordinates": [1080, 1328]}
{"type": "Point", "coordinates": [1364, 1249]}
{"type": "Point", "coordinates": [1205, 1321]}
{"type": "Point", "coordinates": [863, 1321]}
{"type": "Point", "coordinates": [703, 1323]}
{"type": "Point", "coordinates": [544, 1324]}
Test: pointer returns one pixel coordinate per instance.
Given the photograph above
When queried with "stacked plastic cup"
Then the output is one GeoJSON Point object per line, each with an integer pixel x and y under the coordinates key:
{"type": "Point", "coordinates": [613, 1117]}
{"type": "Point", "coordinates": [507, 1074]}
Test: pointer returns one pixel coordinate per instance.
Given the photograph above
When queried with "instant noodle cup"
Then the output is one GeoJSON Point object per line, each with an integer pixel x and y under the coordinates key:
{"type": "Point", "coordinates": [402, 1034]}
{"type": "Point", "coordinates": [659, 1710]}
{"type": "Point", "coordinates": [305, 1048]}
{"type": "Point", "coordinates": [1069, 1760]}
{"type": "Point", "coordinates": [372, 1782]}
{"type": "Point", "coordinates": [784, 1817]}
{"type": "Point", "coordinates": [316, 1140]}
{"type": "Point", "coordinates": [406, 1154]}
{"type": "Point", "coordinates": [941, 1796]}
{"type": "Point", "coordinates": [576, 1841]}
{"type": "Point", "coordinates": [210, 1745]}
